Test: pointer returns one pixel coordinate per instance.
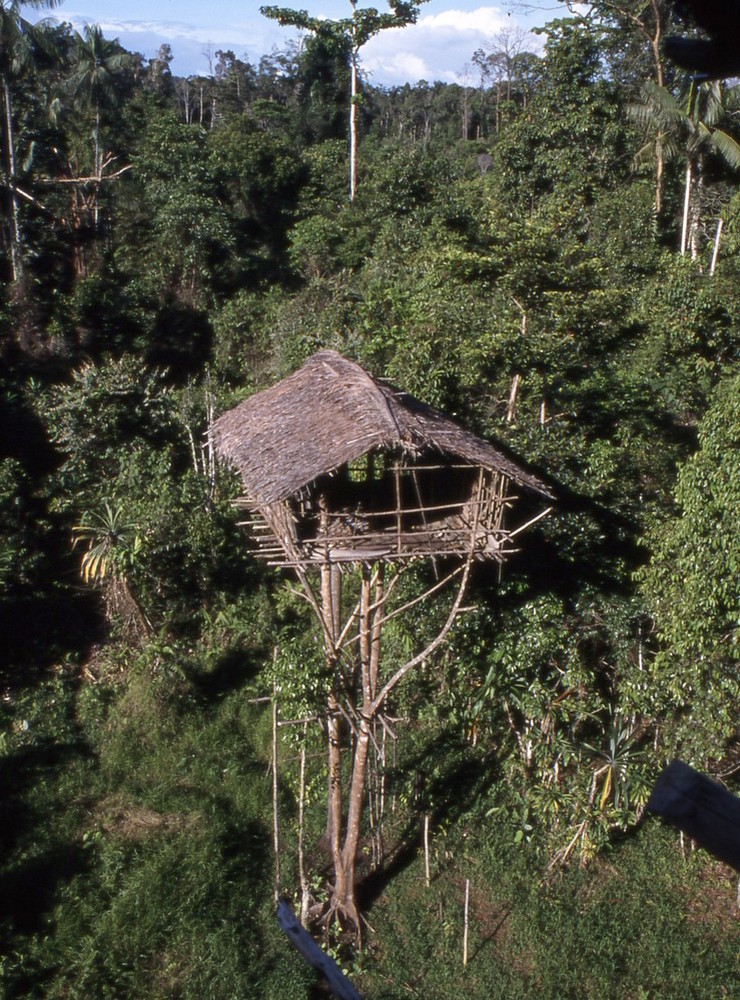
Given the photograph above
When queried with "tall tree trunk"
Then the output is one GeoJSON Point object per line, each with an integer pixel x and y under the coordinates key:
{"type": "Point", "coordinates": [353, 127]}
{"type": "Point", "coordinates": [655, 45]}
{"type": "Point", "coordinates": [659, 174]}
{"type": "Point", "coordinates": [98, 170]}
{"type": "Point", "coordinates": [686, 204]}
{"type": "Point", "coordinates": [715, 249]}
{"type": "Point", "coordinates": [16, 243]}
{"type": "Point", "coordinates": [343, 901]}
{"type": "Point", "coordinates": [695, 210]}
{"type": "Point", "coordinates": [331, 611]}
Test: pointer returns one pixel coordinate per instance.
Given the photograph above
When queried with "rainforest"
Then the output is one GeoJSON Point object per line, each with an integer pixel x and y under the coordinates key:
{"type": "Point", "coordinates": [547, 252]}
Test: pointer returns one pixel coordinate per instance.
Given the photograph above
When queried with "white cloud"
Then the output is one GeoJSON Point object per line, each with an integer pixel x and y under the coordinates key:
{"type": "Point", "coordinates": [437, 47]}
{"type": "Point", "coordinates": [482, 19]}
{"type": "Point", "coordinates": [398, 66]}
{"type": "Point", "coordinates": [231, 34]}
{"type": "Point", "coordinates": [251, 37]}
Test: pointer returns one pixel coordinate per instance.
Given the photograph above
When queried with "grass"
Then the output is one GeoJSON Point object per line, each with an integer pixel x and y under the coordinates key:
{"type": "Point", "coordinates": [140, 862]}
{"type": "Point", "coordinates": [640, 923]}
{"type": "Point", "coordinates": [136, 863]}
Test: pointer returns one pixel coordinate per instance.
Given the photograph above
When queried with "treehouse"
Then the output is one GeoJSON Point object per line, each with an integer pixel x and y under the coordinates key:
{"type": "Point", "coordinates": [339, 467]}
{"type": "Point", "coordinates": [351, 477]}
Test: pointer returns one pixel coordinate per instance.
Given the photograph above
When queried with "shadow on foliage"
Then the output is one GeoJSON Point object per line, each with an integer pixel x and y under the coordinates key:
{"type": "Point", "coordinates": [234, 669]}
{"type": "Point", "coordinates": [446, 778]}
{"type": "Point", "coordinates": [19, 772]}
{"type": "Point", "coordinates": [41, 629]}
{"type": "Point", "coordinates": [582, 544]}
{"type": "Point", "coordinates": [42, 617]}
{"type": "Point", "coordinates": [29, 888]}
{"type": "Point", "coordinates": [28, 891]}
{"type": "Point", "coordinates": [181, 341]}
{"type": "Point", "coordinates": [24, 436]}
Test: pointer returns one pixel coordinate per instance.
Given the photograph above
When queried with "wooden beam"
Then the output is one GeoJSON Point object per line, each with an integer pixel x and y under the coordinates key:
{"type": "Point", "coordinates": [701, 808]}
{"type": "Point", "coordinates": [338, 983]}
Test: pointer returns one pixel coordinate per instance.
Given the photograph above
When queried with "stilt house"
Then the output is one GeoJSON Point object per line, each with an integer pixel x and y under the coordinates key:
{"type": "Point", "coordinates": [339, 467]}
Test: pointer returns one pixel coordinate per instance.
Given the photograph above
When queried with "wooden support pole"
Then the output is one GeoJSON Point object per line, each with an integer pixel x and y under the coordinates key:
{"type": "Point", "coordinates": [466, 922]}
{"type": "Point", "coordinates": [303, 880]}
{"type": "Point", "coordinates": [427, 877]}
{"type": "Point", "coordinates": [275, 818]}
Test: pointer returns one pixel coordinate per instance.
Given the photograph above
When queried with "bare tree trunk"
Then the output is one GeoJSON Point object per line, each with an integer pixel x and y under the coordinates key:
{"type": "Point", "coordinates": [344, 837]}
{"type": "Point", "coordinates": [695, 212]}
{"type": "Point", "coordinates": [331, 612]}
{"type": "Point", "coordinates": [98, 169]}
{"type": "Point", "coordinates": [466, 921]}
{"type": "Point", "coordinates": [659, 174]}
{"type": "Point", "coordinates": [715, 250]}
{"type": "Point", "coordinates": [16, 245]}
{"type": "Point", "coordinates": [344, 887]}
{"type": "Point", "coordinates": [686, 204]}
{"type": "Point", "coordinates": [353, 127]}
{"type": "Point", "coordinates": [344, 901]}
{"type": "Point", "coordinates": [511, 408]}
{"type": "Point", "coordinates": [427, 876]}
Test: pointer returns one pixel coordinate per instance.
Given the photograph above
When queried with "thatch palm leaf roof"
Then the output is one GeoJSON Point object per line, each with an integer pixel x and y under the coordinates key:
{"type": "Point", "coordinates": [330, 412]}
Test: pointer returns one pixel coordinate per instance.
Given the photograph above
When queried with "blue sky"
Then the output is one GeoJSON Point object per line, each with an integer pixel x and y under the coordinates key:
{"type": "Point", "coordinates": [438, 47]}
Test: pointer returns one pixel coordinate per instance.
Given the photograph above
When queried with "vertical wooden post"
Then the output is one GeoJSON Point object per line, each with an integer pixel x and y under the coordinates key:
{"type": "Point", "coordinates": [305, 893]}
{"type": "Point", "coordinates": [427, 878]}
{"type": "Point", "coordinates": [466, 922]}
{"type": "Point", "coordinates": [397, 483]}
{"type": "Point", "coordinates": [275, 819]}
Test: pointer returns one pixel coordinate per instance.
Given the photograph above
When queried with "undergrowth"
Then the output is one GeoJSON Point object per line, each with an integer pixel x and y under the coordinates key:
{"type": "Point", "coordinates": [137, 863]}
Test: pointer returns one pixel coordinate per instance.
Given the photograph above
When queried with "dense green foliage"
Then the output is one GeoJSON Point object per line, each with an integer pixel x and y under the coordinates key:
{"type": "Point", "coordinates": [539, 256]}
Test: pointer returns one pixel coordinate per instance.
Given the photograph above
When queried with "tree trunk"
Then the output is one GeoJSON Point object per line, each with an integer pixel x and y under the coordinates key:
{"type": "Point", "coordinates": [715, 250]}
{"type": "Point", "coordinates": [353, 127]}
{"type": "Point", "coordinates": [686, 204]}
{"type": "Point", "coordinates": [343, 899]}
{"type": "Point", "coordinates": [16, 245]}
{"type": "Point", "coordinates": [659, 174]}
{"type": "Point", "coordinates": [331, 612]}
{"type": "Point", "coordinates": [695, 212]}
{"type": "Point", "coordinates": [98, 170]}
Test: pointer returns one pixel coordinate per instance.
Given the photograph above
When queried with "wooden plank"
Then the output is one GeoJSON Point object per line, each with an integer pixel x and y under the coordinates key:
{"type": "Point", "coordinates": [701, 808]}
{"type": "Point", "coordinates": [338, 983]}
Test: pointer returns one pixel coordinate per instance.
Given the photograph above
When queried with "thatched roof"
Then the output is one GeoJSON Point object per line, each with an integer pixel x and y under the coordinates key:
{"type": "Point", "coordinates": [330, 412]}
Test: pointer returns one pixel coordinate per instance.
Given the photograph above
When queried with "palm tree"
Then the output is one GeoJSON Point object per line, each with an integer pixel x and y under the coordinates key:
{"type": "Point", "coordinates": [93, 86]}
{"type": "Point", "coordinates": [96, 60]}
{"type": "Point", "coordinates": [20, 43]}
{"type": "Point", "coordinates": [687, 125]}
{"type": "Point", "coordinates": [113, 545]}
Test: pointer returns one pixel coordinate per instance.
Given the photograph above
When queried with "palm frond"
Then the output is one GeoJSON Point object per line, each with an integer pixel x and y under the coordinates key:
{"type": "Point", "coordinates": [727, 147]}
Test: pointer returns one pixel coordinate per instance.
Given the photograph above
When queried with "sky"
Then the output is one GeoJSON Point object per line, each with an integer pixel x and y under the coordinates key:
{"type": "Point", "coordinates": [438, 47]}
